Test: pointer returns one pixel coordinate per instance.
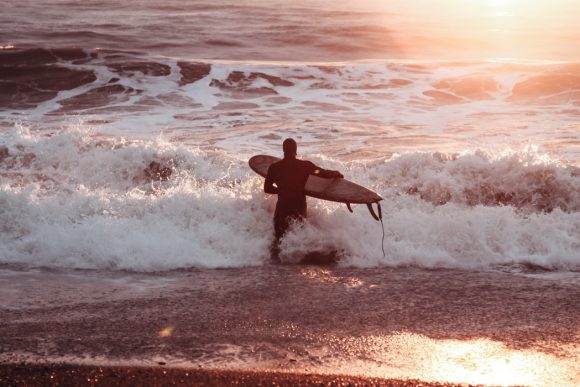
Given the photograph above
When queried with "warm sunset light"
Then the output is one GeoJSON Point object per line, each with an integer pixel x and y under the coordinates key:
{"type": "Point", "coordinates": [487, 362]}
{"type": "Point", "coordinates": [475, 361]}
{"type": "Point", "coordinates": [525, 29]}
{"type": "Point", "coordinates": [290, 192]}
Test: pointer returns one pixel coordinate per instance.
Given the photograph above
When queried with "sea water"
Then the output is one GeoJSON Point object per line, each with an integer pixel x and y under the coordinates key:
{"type": "Point", "coordinates": [472, 139]}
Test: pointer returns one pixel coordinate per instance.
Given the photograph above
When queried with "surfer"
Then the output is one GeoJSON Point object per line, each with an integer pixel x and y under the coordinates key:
{"type": "Point", "coordinates": [287, 179]}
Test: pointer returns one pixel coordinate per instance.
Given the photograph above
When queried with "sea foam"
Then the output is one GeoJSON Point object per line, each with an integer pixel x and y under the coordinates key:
{"type": "Point", "coordinates": [76, 199]}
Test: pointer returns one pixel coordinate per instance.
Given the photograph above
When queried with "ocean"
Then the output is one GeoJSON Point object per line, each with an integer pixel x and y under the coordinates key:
{"type": "Point", "coordinates": [463, 116]}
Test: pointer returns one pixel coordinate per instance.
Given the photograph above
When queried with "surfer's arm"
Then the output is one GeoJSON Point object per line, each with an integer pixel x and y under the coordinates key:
{"type": "Point", "coordinates": [269, 186]}
{"type": "Point", "coordinates": [321, 172]}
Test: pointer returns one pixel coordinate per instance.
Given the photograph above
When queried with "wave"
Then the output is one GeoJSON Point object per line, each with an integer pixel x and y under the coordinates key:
{"type": "Point", "coordinates": [410, 104]}
{"type": "Point", "coordinates": [522, 180]}
{"type": "Point", "coordinates": [81, 200]}
{"type": "Point", "coordinates": [53, 70]}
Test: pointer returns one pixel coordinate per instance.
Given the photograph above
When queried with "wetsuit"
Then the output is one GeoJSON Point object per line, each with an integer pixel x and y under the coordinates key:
{"type": "Point", "coordinates": [287, 178]}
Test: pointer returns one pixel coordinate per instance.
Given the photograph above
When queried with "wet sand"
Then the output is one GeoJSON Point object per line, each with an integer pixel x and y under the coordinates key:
{"type": "Point", "coordinates": [71, 375]}
{"type": "Point", "coordinates": [433, 325]}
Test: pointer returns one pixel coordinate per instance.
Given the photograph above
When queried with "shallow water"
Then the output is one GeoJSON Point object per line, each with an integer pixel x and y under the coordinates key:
{"type": "Point", "coordinates": [433, 325]}
{"type": "Point", "coordinates": [471, 137]}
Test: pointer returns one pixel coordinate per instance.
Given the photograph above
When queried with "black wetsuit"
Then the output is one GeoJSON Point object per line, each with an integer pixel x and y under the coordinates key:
{"type": "Point", "coordinates": [289, 176]}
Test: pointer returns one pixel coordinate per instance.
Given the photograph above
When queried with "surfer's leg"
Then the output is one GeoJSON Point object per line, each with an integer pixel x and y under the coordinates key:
{"type": "Point", "coordinates": [281, 224]}
{"type": "Point", "coordinates": [275, 251]}
{"type": "Point", "coordinates": [279, 229]}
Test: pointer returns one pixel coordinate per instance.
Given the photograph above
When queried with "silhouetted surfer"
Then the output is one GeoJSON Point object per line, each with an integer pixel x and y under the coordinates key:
{"type": "Point", "coordinates": [287, 179]}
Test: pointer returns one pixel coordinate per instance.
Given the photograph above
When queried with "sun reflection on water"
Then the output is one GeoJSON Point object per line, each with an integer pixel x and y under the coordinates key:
{"type": "Point", "coordinates": [328, 276]}
{"type": "Point", "coordinates": [476, 361]}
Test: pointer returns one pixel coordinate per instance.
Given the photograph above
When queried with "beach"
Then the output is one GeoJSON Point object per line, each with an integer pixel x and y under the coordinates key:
{"type": "Point", "coordinates": [451, 326]}
{"type": "Point", "coordinates": [135, 239]}
{"type": "Point", "coordinates": [70, 375]}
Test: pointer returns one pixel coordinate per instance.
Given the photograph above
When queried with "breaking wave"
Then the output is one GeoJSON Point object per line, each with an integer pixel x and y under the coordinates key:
{"type": "Point", "coordinates": [81, 200]}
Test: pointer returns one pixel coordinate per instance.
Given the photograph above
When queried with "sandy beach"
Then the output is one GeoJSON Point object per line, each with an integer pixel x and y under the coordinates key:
{"type": "Point", "coordinates": [436, 326]}
{"type": "Point", "coordinates": [72, 375]}
{"type": "Point", "coordinates": [135, 238]}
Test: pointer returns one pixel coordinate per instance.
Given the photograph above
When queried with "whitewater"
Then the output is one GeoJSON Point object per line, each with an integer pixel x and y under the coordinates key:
{"type": "Point", "coordinates": [133, 232]}
{"type": "Point", "coordinates": [475, 170]}
{"type": "Point", "coordinates": [76, 200]}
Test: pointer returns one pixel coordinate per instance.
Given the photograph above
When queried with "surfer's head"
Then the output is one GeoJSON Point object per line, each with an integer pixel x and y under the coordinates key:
{"type": "Point", "coordinates": [290, 147]}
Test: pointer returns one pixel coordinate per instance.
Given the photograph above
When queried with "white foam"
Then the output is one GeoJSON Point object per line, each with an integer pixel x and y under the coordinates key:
{"type": "Point", "coordinates": [83, 201]}
{"type": "Point", "coordinates": [393, 104]}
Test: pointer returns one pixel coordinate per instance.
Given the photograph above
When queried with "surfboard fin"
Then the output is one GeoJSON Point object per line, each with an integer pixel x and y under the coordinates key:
{"type": "Point", "coordinates": [372, 211]}
{"type": "Point", "coordinates": [349, 207]}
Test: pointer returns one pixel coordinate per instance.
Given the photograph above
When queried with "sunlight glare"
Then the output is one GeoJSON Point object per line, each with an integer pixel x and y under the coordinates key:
{"type": "Point", "coordinates": [523, 29]}
{"type": "Point", "coordinates": [474, 361]}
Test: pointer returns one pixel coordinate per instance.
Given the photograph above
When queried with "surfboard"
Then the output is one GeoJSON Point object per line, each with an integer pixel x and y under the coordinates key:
{"type": "Point", "coordinates": [335, 190]}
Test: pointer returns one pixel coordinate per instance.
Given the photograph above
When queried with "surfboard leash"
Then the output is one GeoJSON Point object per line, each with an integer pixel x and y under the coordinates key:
{"type": "Point", "coordinates": [383, 240]}
{"type": "Point", "coordinates": [378, 217]}
{"type": "Point", "coordinates": [383, 227]}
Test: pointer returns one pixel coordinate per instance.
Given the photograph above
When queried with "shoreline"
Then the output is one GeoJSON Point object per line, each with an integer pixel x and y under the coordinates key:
{"type": "Point", "coordinates": [406, 324]}
{"type": "Point", "coordinates": [36, 374]}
